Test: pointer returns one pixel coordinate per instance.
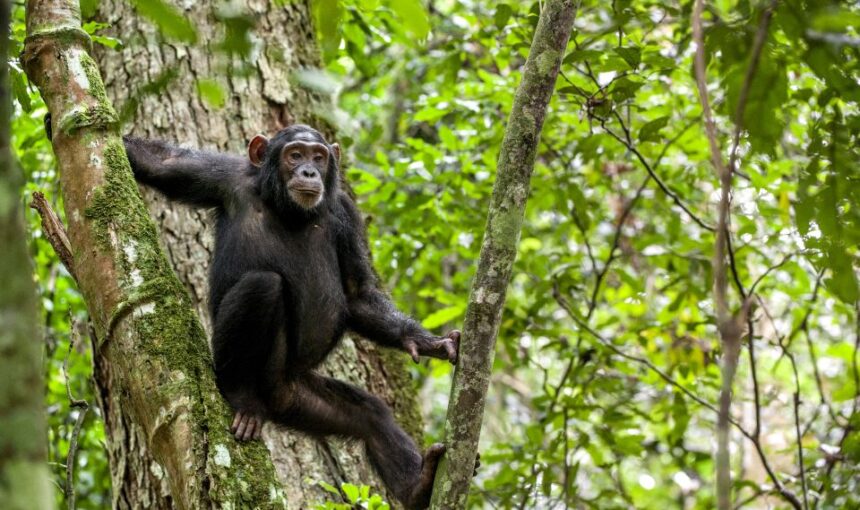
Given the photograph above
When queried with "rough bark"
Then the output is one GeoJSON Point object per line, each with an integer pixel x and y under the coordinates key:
{"type": "Point", "coordinates": [498, 251]}
{"type": "Point", "coordinates": [150, 341]}
{"type": "Point", "coordinates": [263, 100]}
{"type": "Point", "coordinates": [24, 481]}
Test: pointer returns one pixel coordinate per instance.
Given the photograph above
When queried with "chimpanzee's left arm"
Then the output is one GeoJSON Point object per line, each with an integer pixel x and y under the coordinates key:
{"type": "Point", "coordinates": [371, 312]}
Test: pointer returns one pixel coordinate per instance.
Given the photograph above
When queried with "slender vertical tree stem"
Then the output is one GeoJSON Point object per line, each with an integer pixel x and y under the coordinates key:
{"type": "Point", "coordinates": [498, 251]}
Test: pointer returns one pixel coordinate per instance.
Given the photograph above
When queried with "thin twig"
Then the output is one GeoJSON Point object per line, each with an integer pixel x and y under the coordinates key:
{"type": "Point", "coordinates": [83, 406]}
{"type": "Point", "coordinates": [728, 325]}
{"type": "Point", "coordinates": [628, 143]}
{"type": "Point", "coordinates": [758, 45]}
{"type": "Point", "coordinates": [770, 270]}
{"type": "Point", "coordinates": [648, 168]}
{"type": "Point", "coordinates": [600, 275]}
{"type": "Point", "coordinates": [643, 361]}
{"type": "Point", "coordinates": [819, 385]}
{"type": "Point", "coordinates": [833, 459]}
{"type": "Point", "coordinates": [796, 399]}
{"type": "Point", "coordinates": [616, 241]}
{"type": "Point", "coordinates": [54, 231]}
{"type": "Point", "coordinates": [799, 436]}
{"type": "Point", "coordinates": [780, 487]}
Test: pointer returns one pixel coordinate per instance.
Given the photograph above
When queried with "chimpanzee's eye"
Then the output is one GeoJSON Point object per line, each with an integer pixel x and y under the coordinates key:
{"type": "Point", "coordinates": [295, 156]}
{"type": "Point", "coordinates": [318, 159]}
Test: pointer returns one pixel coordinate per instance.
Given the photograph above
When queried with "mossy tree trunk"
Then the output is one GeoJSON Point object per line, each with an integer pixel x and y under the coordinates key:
{"type": "Point", "coordinates": [24, 482]}
{"type": "Point", "coordinates": [259, 95]}
{"type": "Point", "coordinates": [148, 338]}
{"type": "Point", "coordinates": [498, 251]}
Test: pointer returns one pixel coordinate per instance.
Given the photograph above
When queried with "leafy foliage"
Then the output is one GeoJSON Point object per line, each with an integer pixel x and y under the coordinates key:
{"type": "Point", "coordinates": [618, 241]}
{"type": "Point", "coordinates": [353, 496]}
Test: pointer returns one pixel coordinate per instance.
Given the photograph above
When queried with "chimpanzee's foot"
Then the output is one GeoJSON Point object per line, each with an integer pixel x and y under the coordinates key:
{"type": "Point", "coordinates": [246, 426]}
{"type": "Point", "coordinates": [424, 486]}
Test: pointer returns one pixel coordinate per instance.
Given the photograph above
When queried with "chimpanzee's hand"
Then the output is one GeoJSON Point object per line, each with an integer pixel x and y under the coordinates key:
{"type": "Point", "coordinates": [442, 347]}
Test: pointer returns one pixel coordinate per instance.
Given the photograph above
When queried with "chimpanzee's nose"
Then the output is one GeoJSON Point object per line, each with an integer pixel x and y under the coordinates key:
{"type": "Point", "coordinates": [308, 172]}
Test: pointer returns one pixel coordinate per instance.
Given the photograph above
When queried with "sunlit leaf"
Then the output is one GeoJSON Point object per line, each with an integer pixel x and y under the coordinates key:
{"type": "Point", "coordinates": [169, 19]}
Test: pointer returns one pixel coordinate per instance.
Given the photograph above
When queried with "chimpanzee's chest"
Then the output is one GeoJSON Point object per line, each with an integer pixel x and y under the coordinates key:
{"type": "Point", "coordinates": [306, 257]}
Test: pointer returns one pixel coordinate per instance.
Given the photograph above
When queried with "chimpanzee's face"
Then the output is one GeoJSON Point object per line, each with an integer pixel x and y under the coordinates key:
{"type": "Point", "coordinates": [303, 166]}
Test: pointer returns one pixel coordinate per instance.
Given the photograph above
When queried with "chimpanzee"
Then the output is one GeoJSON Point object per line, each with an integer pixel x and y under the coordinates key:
{"type": "Point", "coordinates": [291, 272]}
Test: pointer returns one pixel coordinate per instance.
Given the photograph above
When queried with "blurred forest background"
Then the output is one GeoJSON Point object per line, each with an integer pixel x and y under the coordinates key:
{"type": "Point", "coordinates": [607, 375]}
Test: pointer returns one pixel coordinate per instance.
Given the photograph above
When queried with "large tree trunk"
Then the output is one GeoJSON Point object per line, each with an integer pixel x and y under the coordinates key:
{"type": "Point", "coordinates": [24, 481]}
{"type": "Point", "coordinates": [262, 101]}
{"type": "Point", "coordinates": [149, 340]}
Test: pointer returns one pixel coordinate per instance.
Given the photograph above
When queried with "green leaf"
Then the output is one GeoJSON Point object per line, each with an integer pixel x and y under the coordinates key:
{"type": "Point", "coordinates": [653, 59]}
{"type": "Point", "coordinates": [631, 54]}
{"type": "Point", "coordinates": [580, 207]}
{"type": "Point", "coordinates": [764, 116]}
{"type": "Point", "coordinates": [843, 282]}
{"type": "Point", "coordinates": [328, 15]}
{"type": "Point", "coordinates": [625, 88]}
{"type": "Point", "coordinates": [650, 132]}
{"type": "Point", "coordinates": [329, 487]}
{"type": "Point", "coordinates": [840, 20]}
{"type": "Point", "coordinates": [573, 89]}
{"type": "Point", "coordinates": [351, 491]}
{"type": "Point", "coordinates": [414, 16]}
{"type": "Point", "coordinates": [503, 14]}
{"type": "Point", "coordinates": [443, 316]}
{"type": "Point", "coordinates": [92, 27]}
{"type": "Point", "coordinates": [211, 92]}
{"type": "Point", "coordinates": [317, 80]}
{"type": "Point", "coordinates": [169, 20]}
{"type": "Point", "coordinates": [19, 87]}
{"type": "Point", "coordinates": [109, 42]}
{"type": "Point", "coordinates": [582, 56]}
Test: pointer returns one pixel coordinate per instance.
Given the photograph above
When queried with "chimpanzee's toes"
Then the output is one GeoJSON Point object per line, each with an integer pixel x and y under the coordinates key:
{"type": "Point", "coordinates": [432, 455]}
{"type": "Point", "coordinates": [424, 486]}
{"type": "Point", "coordinates": [246, 426]}
{"type": "Point", "coordinates": [477, 464]}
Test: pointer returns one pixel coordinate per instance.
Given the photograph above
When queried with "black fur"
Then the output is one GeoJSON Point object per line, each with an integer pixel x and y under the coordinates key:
{"type": "Point", "coordinates": [286, 282]}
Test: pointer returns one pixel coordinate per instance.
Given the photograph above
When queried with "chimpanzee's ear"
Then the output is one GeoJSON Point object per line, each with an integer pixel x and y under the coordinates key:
{"type": "Point", "coordinates": [335, 148]}
{"type": "Point", "coordinates": [257, 150]}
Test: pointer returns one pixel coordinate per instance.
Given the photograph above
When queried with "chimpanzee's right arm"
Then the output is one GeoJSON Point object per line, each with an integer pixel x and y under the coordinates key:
{"type": "Point", "coordinates": [205, 179]}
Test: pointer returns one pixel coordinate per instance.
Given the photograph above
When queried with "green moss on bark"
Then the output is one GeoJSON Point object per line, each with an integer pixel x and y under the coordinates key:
{"type": "Point", "coordinates": [170, 334]}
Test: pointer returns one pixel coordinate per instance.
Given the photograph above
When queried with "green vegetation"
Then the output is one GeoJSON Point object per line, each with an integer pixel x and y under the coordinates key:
{"type": "Point", "coordinates": [607, 371]}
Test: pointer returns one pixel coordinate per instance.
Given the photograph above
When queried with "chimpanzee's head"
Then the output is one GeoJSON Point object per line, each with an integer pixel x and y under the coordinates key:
{"type": "Point", "coordinates": [298, 169]}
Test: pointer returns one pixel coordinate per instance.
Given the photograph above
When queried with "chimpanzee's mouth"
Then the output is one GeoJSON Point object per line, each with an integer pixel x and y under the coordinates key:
{"type": "Point", "coordinates": [305, 191]}
{"type": "Point", "coordinates": [307, 197]}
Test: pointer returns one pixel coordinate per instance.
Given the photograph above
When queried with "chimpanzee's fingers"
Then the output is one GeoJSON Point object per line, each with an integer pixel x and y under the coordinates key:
{"type": "Point", "coordinates": [240, 430]}
{"type": "Point", "coordinates": [450, 350]}
{"type": "Point", "coordinates": [258, 434]}
{"type": "Point", "coordinates": [454, 335]}
{"type": "Point", "coordinates": [236, 418]}
{"type": "Point", "coordinates": [251, 429]}
{"type": "Point", "coordinates": [412, 348]}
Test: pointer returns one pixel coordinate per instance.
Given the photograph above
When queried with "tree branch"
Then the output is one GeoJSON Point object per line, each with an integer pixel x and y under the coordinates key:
{"type": "Point", "coordinates": [498, 251]}
{"type": "Point", "coordinates": [729, 326]}
{"type": "Point", "coordinates": [74, 403]}
{"type": "Point", "coordinates": [54, 231]}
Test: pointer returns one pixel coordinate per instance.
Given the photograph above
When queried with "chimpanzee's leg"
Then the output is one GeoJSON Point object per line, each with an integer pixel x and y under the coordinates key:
{"type": "Point", "coordinates": [249, 347]}
{"type": "Point", "coordinates": [322, 406]}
